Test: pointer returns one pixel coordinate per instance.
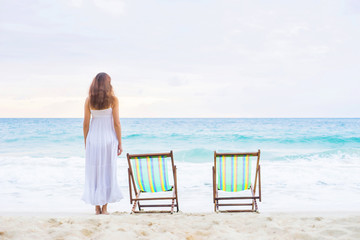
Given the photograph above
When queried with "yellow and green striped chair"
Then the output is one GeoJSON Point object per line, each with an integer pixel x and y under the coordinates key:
{"type": "Point", "coordinates": [149, 173]}
{"type": "Point", "coordinates": [232, 172]}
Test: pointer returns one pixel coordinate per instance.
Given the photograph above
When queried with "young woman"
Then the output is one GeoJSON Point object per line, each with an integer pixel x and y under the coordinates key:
{"type": "Point", "coordinates": [102, 144]}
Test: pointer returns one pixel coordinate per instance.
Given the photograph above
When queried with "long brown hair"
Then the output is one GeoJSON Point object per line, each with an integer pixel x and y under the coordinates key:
{"type": "Point", "coordinates": [101, 92]}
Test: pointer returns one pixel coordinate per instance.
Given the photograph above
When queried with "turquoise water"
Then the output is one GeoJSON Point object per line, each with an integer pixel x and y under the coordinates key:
{"type": "Point", "coordinates": [304, 161]}
{"type": "Point", "coordinates": [193, 140]}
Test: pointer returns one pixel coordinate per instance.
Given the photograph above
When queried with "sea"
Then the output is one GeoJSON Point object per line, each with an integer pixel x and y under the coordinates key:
{"type": "Point", "coordinates": [307, 164]}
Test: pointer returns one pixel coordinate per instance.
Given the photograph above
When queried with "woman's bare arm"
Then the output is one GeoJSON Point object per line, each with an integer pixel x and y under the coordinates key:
{"type": "Point", "coordinates": [117, 124]}
{"type": "Point", "coordinates": [86, 122]}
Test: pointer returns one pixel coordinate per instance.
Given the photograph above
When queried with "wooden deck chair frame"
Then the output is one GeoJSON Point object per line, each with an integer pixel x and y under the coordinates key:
{"type": "Point", "coordinates": [252, 198]}
{"type": "Point", "coordinates": [137, 199]}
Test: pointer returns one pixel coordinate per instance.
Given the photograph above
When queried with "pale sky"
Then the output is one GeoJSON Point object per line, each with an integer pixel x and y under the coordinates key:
{"type": "Point", "coordinates": [182, 58]}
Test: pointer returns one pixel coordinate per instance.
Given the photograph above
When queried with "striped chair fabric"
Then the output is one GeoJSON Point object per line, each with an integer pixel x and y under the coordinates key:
{"type": "Point", "coordinates": [234, 173]}
{"type": "Point", "coordinates": [151, 173]}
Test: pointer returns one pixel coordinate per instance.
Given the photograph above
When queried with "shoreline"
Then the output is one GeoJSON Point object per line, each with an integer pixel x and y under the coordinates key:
{"type": "Point", "coordinates": [269, 225]}
{"type": "Point", "coordinates": [117, 213]}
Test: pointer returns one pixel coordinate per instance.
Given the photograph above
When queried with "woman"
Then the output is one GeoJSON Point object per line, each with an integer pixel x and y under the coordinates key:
{"type": "Point", "coordinates": [102, 144]}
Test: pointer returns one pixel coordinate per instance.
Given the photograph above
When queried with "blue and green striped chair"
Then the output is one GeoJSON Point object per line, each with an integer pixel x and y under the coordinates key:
{"type": "Point", "coordinates": [232, 172]}
{"type": "Point", "coordinates": [149, 173]}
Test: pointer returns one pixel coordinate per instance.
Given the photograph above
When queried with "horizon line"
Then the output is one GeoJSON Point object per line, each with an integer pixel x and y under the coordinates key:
{"type": "Point", "coordinates": [188, 117]}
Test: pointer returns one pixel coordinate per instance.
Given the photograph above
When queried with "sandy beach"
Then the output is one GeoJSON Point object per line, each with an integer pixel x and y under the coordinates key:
{"type": "Point", "coordinates": [122, 225]}
{"type": "Point", "coordinates": [192, 102]}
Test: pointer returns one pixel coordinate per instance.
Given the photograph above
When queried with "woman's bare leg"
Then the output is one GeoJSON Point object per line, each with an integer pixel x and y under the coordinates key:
{"type": "Point", "coordinates": [97, 210]}
{"type": "Point", "coordinates": [104, 210]}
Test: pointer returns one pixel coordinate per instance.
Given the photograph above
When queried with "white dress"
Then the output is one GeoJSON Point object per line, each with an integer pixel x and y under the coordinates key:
{"type": "Point", "coordinates": [101, 185]}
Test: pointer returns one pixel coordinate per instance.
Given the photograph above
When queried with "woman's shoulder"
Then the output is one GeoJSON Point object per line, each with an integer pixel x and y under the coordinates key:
{"type": "Point", "coordinates": [87, 102]}
{"type": "Point", "coordinates": [115, 101]}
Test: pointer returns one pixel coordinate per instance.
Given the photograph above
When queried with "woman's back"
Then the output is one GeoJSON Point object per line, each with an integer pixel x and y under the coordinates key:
{"type": "Point", "coordinates": [102, 128]}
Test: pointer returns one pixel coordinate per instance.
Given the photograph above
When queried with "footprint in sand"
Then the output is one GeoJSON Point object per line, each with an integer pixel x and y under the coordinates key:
{"type": "Point", "coordinates": [86, 232]}
{"type": "Point", "coordinates": [54, 222]}
{"type": "Point", "coordinates": [334, 233]}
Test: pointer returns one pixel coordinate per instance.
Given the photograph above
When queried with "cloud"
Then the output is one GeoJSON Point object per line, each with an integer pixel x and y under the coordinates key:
{"type": "Point", "coordinates": [202, 58]}
{"type": "Point", "coordinates": [75, 3]}
{"type": "Point", "coordinates": [113, 7]}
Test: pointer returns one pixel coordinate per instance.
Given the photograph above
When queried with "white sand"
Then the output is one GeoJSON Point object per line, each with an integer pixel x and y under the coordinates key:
{"type": "Point", "coordinates": [182, 226]}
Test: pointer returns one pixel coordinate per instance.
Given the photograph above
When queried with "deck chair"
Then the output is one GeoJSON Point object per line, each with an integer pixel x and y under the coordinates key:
{"type": "Point", "coordinates": [148, 173]}
{"type": "Point", "coordinates": [232, 173]}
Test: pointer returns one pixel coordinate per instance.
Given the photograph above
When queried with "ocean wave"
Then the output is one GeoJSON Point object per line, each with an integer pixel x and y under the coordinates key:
{"type": "Point", "coordinates": [195, 155]}
{"type": "Point", "coordinates": [135, 135]}
{"type": "Point", "coordinates": [319, 139]}
{"type": "Point", "coordinates": [43, 138]}
{"type": "Point", "coordinates": [221, 137]}
{"type": "Point", "coordinates": [337, 155]}
{"type": "Point", "coordinates": [294, 185]}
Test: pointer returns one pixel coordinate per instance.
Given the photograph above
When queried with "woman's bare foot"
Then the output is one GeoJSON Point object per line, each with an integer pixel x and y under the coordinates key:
{"type": "Point", "coordinates": [97, 210]}
{"type": "Point", "coordinates": [104, 210]}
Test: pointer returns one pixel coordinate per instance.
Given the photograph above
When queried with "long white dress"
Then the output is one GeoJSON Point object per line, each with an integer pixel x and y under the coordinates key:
{"type": "Point", "coordinates": [101, 185]}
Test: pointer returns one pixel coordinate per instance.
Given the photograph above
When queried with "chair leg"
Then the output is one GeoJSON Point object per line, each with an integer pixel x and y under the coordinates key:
{"type": "Point", "coordinates": [216, 201]}
{"type": "Point", "coordinates": [137, 202]}
{"type": "Point", "coordinates": [177, 205]}
{"type": "Point", "coordinates": [177, 201]}
{"type": "Point", "coordinates": [256, 207]}
{"type": "Point", "coordinates": [134, 206]}
{"type": "Point", "coordinates": [172, 206]}
{"type": "Point", "coordinates": [175, 186]}
{"type": "Point", "coordinates": [259, 186]}
{"type": "Point", "coordinates": [214, 183]}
